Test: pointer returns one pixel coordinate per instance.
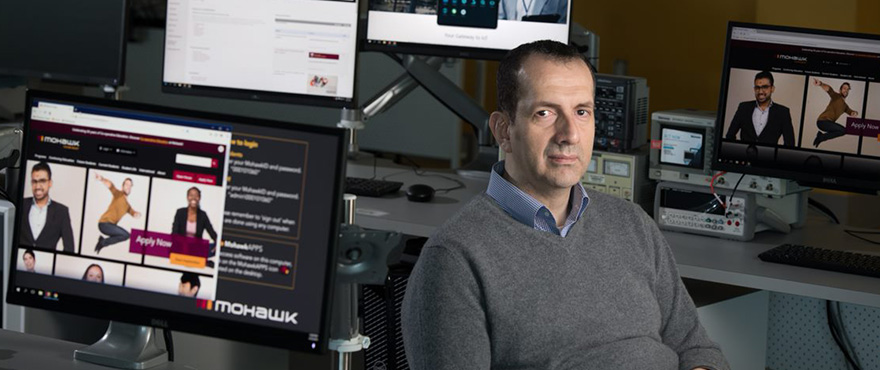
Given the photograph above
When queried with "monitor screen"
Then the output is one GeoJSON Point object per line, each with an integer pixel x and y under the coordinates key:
{"type": "Point", "coordinates": [70, 41]}
{"type": "Point", "coordinates": [482, 29]}
{"type": "Point", "coordinates": [801, 104]}
{"type": "Point", "coordinates": [296, 51]}
{"type": "Point", "coordinates": [682, 147]}
{"type": "Point", "coordinates": [211, 224]}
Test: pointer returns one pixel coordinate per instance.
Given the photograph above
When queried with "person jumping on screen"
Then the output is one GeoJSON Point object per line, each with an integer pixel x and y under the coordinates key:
{"type": "Point", "coordinates": [829, 129]}
{"type": "Point", "coordinates": [118, 208]}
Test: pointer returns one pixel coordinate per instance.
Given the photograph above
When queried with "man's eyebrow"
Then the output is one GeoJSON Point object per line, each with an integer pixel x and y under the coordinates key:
{"type": "Point", "coordinates": [545, 103]}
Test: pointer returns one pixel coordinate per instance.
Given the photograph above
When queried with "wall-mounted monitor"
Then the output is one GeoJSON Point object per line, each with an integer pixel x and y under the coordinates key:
{"type": "Point", "coordinates": [293, 51]}
{"type": "Point", "coordinates": [69, 41]}
{"type": "Point", "coordinates": [480, 29]}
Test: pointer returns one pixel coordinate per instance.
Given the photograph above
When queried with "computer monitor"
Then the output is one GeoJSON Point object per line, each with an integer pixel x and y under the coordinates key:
{"type": "Point", "coordinates": [70, 41]}
{"type": "Point", "coordinates": [822, 127]}
{"type": "Point", "coordinates": [211, 224]}
{"type": "Point", "coordinates": [294, 51]}
{"type": "Point", "coordinates": [480, 29]}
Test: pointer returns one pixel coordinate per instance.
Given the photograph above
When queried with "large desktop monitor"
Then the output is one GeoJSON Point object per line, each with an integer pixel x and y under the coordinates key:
{"type": "Point", "coordinates": [822, 127]}
{"type": "Point", "coordinates": [205, 223]}
{"type": "Point", "coordinates": [70, 41]}
{"type": "Point", "coordinates": [294, 51]}
{"type": "Point", "coordinates": [482, 29]}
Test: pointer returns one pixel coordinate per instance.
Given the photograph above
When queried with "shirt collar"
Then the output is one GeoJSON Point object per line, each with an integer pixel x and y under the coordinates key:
{"type": "Point", "coordinates": [48, 201]}
{"type": "Point", "coordinates": [526, 209]}
{"type": "Point", "coordinates": [758, 105]}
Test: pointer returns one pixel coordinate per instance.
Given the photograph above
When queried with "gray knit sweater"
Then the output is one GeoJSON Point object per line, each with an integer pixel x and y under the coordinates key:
{"type": "Point", "coordinates": [491, 293]}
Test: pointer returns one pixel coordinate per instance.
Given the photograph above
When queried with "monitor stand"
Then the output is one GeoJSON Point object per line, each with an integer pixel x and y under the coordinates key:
{"type": "Point", "coordinates": [125, 346]}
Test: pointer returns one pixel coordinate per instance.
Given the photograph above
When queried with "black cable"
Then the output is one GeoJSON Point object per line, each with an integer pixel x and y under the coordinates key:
{"type": "Point", "coordinates": [169, 344]}
{"type": "Point", "coordinates": [834, 334]}
{"type": "Point", "coordinates": [841, 328]}
{"type": "Point", "coordinates": [741, 177]}
{"type": "Point", "coordinates": [4, 194]}
{"type": "Point", "coordinates": [421, 173]}
{"type": "Point", "coordinates": [822, 208]}
{"type": "Point", "coordinates": [854, 234]}
{"type": "Point", "coordinates": [732, 193]}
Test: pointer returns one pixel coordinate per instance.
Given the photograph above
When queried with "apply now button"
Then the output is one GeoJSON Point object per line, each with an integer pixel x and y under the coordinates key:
{"type": "Point", "coordinates": [195, 177]}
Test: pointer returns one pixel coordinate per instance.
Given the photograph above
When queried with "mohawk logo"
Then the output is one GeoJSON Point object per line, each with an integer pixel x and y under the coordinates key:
{"type": "Point", "coordinates": [791, 57]}
{"type": "Point", "coordinates": [66, 143]}
{"type": "Point", "coordinates": [240, 309]}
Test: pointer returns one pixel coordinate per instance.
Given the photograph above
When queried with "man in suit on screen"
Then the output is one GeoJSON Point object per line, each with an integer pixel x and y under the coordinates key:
{"type": "Point", "coordinates": [762, 120]}
{"type": "Point", "coordinates": [46, 220]}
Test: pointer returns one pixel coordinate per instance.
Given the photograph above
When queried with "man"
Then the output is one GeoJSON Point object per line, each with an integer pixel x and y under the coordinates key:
{"type": "Point", "coordinates": [762, 120]}
{"type": "Point", "coordinates": [829, 129]}
{"type": "Point", "coordinates": [47, 220]}
{"type": "Point", "coordinates": [119, 206]}
{"type": "Point", "coordinates": [534, 274]}
{"type": "Point", "coordinates": [189, 285]}
{"type": "Point", "coordinates": [552, 11]}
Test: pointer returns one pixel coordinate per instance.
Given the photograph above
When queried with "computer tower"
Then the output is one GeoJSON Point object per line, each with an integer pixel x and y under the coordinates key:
{"type": "Point", "coordinates": [381, 317]}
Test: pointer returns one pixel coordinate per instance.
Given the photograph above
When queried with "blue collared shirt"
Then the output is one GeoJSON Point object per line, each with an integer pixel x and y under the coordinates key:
{"type": "Point", "coordinates": [528, 210]}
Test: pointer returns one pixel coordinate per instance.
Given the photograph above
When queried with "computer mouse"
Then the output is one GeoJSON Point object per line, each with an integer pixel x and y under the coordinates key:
{"type": "Point", "coordinates": [419, 193]}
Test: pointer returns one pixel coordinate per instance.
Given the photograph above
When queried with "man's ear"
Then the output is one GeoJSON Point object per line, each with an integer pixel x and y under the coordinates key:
{"type": "Point", "coordinates": [499, 123]}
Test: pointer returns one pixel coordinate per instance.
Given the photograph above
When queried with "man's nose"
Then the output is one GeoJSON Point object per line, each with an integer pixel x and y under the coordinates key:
{"type": "Point", "coordinates": [567, 130]}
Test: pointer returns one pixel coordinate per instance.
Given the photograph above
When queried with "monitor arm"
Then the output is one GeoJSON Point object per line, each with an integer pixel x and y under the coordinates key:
{"type": "Point", "coordinates": [422, 72]}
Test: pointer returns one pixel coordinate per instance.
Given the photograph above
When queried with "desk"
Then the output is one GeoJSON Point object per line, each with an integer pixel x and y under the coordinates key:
{"type": "Point", "coordinates": [698, 257]}
{"type": "Point", "coordinates": [32, 352]}
{"type": "Point", "coordinates": [737, 263]}
{"type": "Point", "coordinates": [394, 212]}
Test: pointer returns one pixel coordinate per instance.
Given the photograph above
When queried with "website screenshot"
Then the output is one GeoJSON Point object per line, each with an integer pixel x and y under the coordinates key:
{"type": "Point", "coordinates": [117, 189]}
{"type": "Point", "coordinates": [447, 23]}
{"type": "Point", "coordinates": [825, 94]}
{"type": "Point", "coordinates": [296, 46]}
{"type": "Point", "coordinates": [218, 219]}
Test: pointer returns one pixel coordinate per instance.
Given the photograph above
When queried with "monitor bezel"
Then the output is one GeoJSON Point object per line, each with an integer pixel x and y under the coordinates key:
{"type": "Point", "coordinates": [82, 79]}
{"type": "Point", "coordinates": [441, 50]}
{"type": "Point", "coordinates": [845, 182]}
{"type": "Point", "coordinates": [269, 96]}
{"type": "Point", "coordinates": [171, 320]}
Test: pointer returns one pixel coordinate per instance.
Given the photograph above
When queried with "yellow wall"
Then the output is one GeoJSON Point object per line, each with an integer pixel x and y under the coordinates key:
{"type": "Point", "coordinates": [677, 45]}
{"type": "Point", "coordinates": [838, 15]}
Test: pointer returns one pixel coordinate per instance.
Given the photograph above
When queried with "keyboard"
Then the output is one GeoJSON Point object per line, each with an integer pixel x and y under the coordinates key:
{"type": "Point", "coordinates": [370, 187]}
{"type": "Point", "coordinates": [824, 259]}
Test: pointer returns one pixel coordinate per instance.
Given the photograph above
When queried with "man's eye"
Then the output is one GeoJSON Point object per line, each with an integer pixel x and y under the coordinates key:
{"type": "Point", "coordinates": [543, 113]}
{"type": "Point", "coordinates": [583, 112]}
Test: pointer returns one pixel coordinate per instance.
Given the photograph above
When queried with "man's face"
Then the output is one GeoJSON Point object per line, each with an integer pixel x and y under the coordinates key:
{"type": "Point", "coordinates": [187, 290]}
{"type": "Point", "coordinates": [763, 90]}
{"type": "Point", "coordinates": [193, 197]}
{"type": "Point", "coordinates": [40, 184]}
{"type": "Point", "coordinates": [29, 261]}
{"type": "Point", "coordinates": [126, 186]}
{"type": "Point", "coordinates": [844, 90]}
{"type": "Point", "coordinates": [551, 140]}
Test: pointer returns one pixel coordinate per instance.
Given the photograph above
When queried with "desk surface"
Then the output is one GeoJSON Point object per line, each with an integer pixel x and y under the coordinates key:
{"type": "Point", "coordinates": [394, 212]}
{"type": "Point", "coordinates": [31, 352]}
{"type": "Point", "coordinates": [698, 257]}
